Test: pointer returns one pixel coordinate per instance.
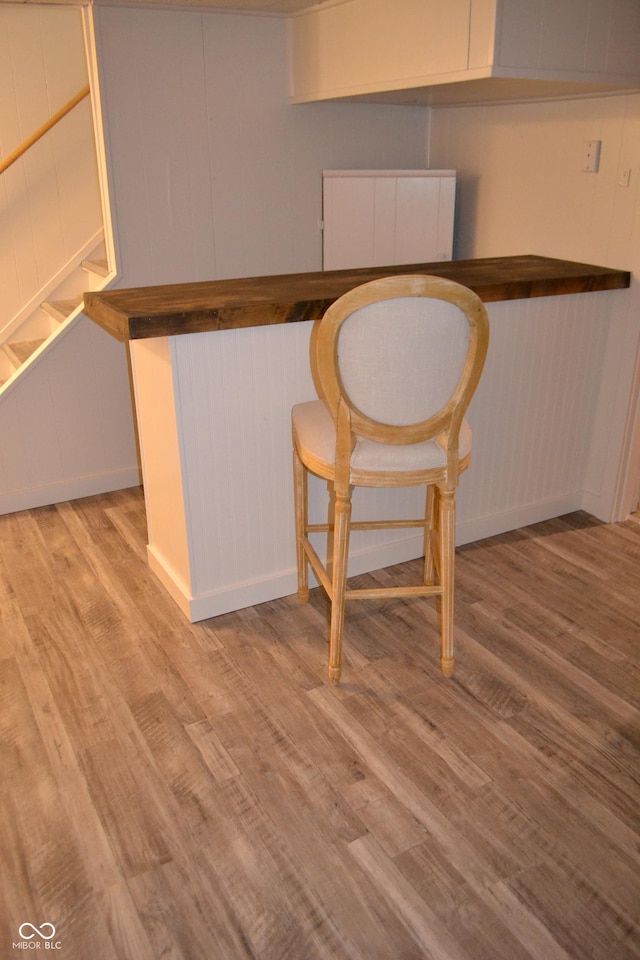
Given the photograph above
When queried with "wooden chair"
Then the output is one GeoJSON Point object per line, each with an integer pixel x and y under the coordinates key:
{"type": "Point", "coordinates": [395, 364]}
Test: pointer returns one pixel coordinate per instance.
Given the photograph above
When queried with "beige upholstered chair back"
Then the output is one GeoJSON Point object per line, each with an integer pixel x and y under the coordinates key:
{"type": "Point", "coordinates": [404, 354]}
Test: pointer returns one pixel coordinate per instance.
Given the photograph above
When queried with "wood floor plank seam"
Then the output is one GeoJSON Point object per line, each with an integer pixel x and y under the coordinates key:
{"type": "Point", "coordinates": [590, 733]}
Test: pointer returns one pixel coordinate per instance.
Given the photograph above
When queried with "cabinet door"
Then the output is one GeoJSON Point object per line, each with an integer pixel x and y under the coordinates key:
{"type": "Point", "coordinates": [377, 219]}
{"type": "Point", "coordinates": [424, 219]}
{"type": "Point", "coordinates": [364, 46]}
{"type": "Point", "coordinates": [349, 222]}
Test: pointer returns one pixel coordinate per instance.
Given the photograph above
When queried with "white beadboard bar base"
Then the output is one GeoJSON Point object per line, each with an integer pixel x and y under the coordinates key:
{"type": "Point", "coordinates": [235, 596]}
{"type": "Point", "coordinates": [214, 412]}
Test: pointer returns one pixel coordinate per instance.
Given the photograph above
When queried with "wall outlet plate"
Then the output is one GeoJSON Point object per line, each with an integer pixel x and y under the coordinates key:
{"type": "Point", "coordinates": [591, 156]}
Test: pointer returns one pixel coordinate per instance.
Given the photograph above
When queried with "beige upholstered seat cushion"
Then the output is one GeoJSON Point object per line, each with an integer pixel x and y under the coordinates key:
{"type": "Point", "coordinates": [316, 436]}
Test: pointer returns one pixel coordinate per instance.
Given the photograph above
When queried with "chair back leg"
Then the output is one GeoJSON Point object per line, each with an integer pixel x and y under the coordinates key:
{"type": "Point", "coordinates": [300, 506]}
{"type": "Point", "coordinates": [447, 532]}
{"type": "Point", "coordinates": [341, 531]}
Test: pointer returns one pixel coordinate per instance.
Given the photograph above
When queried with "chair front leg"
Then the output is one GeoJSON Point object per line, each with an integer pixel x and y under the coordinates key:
{"type": "Point", "coordinates": [300, 503]}
{"type": "Point", "coordinates": [342, 526]}
{"type": "Point", "coordinates": [447, 524]}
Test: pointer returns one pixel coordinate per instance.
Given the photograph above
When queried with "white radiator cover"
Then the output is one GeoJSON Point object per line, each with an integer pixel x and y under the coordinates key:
{"type": "Point", "coordinates": [373, 218]}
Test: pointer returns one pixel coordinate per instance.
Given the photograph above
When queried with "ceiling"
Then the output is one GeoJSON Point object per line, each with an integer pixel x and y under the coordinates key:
{"type": "Point", "coordinates": [252, 6]}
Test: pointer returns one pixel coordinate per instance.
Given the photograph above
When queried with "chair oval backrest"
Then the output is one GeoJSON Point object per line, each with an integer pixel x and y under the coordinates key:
{"type": "Point", "coordinates": [404, 353]}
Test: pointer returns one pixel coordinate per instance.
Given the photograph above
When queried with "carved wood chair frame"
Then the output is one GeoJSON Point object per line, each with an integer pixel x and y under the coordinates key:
{"type": "Point", "coordinates": [350, 423]}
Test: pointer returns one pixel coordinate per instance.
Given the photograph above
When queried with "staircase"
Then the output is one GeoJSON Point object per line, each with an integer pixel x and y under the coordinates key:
{"type": "Point", "coordinates": [66, 429]}
{"type": "Point", "coordinates": [28, 340]}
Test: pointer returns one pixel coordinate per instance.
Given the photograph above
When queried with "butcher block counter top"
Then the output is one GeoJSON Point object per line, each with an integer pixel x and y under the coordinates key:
{"type": "Point", "coordinates": [168, 310]}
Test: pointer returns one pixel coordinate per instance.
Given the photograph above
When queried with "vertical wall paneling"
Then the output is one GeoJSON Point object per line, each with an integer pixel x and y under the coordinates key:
{"type": "Point", "coordinates": [153, 92]}
{"type": "Point", "coordinates": [66, 426]}
{"type": "Point", "coordinates": [61, 424]}
{"type": "Point", "coordinates": [211, 173]}
{"type": "Point", "coordinates": [521, 190]}
{"type": "Point", "coordinates": [215, 174]}
{"type": "Point", "coordinates": [534, 414]}
{"type": "Point", "coordinates": [351, 236]}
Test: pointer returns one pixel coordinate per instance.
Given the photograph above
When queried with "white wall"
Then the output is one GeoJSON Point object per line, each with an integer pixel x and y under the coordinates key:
{"type": "Point", "coordinates": [49, 199]}
{"type": "Point", "coordinates": [65, 425]}
{"type": "Point", "coordinates": [521, 190]}
{"type": "Point", "coordinates": [214, 174]}
{"type": "Point", "coordinates": [520, 186]}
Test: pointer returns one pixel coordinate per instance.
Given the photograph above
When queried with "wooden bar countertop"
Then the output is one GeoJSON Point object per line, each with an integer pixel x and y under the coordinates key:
{"type": "Point", "coordinates": [168, 310]}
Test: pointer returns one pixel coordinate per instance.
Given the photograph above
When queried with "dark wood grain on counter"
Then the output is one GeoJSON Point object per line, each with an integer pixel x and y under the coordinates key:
{"type": "Point", "coordinates": [172, 309]}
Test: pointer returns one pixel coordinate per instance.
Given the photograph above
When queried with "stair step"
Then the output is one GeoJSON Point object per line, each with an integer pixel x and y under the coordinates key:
{"type": "Point", "coordinates": [60, 309]}
{"type": "Point", "coordinates": [99, 266]}
{"type": "Point", "coordinates": [23, 349]}
{"type": "Point", "coordinates": [10, 356]}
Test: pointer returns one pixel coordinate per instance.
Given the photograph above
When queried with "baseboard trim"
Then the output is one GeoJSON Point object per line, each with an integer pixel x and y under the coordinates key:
{"type": "Point", "coordinates": [600, 507]}
{"type": "Point", "coordinates": [249, 593]}
{"type": "Point", "coordinates": [490, 526]}
{"type": "Point", "coordinates": [73, 489]}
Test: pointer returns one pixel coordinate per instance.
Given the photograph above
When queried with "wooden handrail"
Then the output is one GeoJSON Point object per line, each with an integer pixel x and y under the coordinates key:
{"type": "Point", "coordinates": [40, 132]}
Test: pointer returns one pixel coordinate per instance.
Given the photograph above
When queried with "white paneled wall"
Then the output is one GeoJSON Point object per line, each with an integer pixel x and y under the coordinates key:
{"type": "Point", "coordinates": [211, 173]}
{"type": "Point", "coordinates": [534, 413]}
{"type": "Point", "coordinates": [214, 174]}
{"type": "Point", "coordinates": [521, 190]}
{"type": "Point", "coordinates": [61, 423]}
{"type": "Point", "coordinates": [49, 199]}
{"type": "Point", "coordinates": [521, 186]}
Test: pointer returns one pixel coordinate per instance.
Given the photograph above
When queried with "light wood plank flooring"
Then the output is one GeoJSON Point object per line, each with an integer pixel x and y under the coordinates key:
{"type": "Point", "coordinates": [200, 791]}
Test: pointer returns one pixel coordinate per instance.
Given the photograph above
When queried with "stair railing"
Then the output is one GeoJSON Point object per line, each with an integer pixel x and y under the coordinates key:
{"type": "Point", "coordinates": [46, 126]}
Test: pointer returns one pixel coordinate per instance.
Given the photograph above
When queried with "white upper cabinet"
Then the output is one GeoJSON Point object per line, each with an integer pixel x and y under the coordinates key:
{"type": "Point", "coordinates": [427, 51]}
{"type": "Point", "coordinates": [374, 218]}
